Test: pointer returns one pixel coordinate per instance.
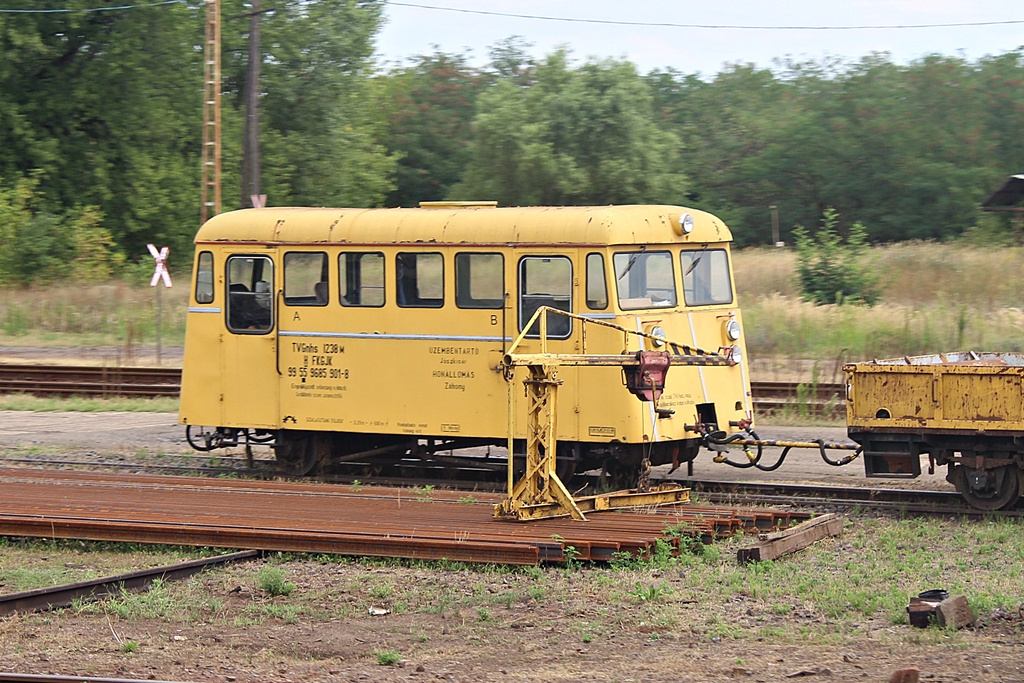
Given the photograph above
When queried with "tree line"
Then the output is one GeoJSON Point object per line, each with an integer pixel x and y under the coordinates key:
{"type": "Point", "coordinates": [101, 116]}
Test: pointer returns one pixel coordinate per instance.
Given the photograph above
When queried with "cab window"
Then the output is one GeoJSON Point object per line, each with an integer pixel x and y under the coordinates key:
{"type": "Point", "coordinates": [597, 287]}
{"type": "Point", "coordinates": [250, 301]}
{"type": "Point", "coordinates": [545, 281]}
{"type": "Point", "coordinates": [644, 279]}
{"type": "Point", "coordinates": [479, 280]}
{"type": "Point", "coordinates": [706, 278]}
{"type": "Point", "coordinates": [361, 275]}
{"type": "Point", "coordinates": [204, 278]}
{"type": "Point", "coordinates": [305, 278]}
{"type": "Point", "coordinates": [419, 280]}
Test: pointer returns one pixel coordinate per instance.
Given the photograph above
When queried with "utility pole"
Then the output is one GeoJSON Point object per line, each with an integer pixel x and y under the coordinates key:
{"type": "Point", "coordinates": [251, 133]}
{"type": "Point", "coordinates": [775, 225]}
{"type": "Point", "coordinates": [211, 197]}
{"type": "Point", "coordinates": [251, 136]}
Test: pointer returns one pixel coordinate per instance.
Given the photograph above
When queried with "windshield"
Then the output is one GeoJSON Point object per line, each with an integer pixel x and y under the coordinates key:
{"type": "Point", "coordinates": [706, 277]}
{"type": "Point", "coordinates": [644, 279]}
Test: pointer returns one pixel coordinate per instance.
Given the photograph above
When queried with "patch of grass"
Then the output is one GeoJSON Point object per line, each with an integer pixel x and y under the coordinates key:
{"type": "Point", "coordinates": [116, 314]}
{"type": "Point", "coordinates": [154, 603]}
{"type": "Point", "coordinates": [289, 614]}
{"type": "Point", "coordinates": [387, 657]}
{"type": "Point", "coordinates": [272, 581]}
{"type": "Point", "coordinates": [650, 593]}
{"type": "Point", "coordinates": [81, 404]}
{"type": "Point", "coordinates": [382, 590]}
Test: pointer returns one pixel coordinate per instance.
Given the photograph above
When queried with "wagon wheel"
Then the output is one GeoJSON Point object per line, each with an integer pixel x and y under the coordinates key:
{"type": "Point", "coordinates": [297, 455]}
{"type": "Point", "coordinates": [202, 438]}
{"type": "Point", "coordinates": [988, 489]}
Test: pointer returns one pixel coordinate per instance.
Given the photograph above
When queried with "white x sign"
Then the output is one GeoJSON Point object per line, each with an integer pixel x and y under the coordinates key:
{"type": "Point", "coordinates": [161, 266]}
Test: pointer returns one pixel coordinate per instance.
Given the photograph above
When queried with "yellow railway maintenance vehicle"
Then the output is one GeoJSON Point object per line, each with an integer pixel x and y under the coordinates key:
{"type": "Point", "coordinates": [964, 410]}
{"type": "Point", "coordinates": [380, 336]}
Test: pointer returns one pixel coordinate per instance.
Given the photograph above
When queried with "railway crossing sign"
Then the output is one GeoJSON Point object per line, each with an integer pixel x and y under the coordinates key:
{"type": "Point", "coordinates": [160, 273]}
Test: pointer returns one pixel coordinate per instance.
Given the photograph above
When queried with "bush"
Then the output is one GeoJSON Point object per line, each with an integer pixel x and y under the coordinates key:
{"type": "Point", "coordinates": [830, 271]}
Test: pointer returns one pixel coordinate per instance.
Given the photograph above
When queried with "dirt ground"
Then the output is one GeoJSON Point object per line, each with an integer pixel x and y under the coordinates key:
{"type": "Point", "coordinates": [345, 617]}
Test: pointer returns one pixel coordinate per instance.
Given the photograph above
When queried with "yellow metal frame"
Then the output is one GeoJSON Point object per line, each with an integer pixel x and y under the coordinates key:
{"type": "Point", "coordinates": [539, 493]}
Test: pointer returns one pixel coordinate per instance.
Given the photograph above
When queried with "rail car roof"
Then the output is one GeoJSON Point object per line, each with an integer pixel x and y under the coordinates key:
{"type": "Point", "coordinates": [446, 224]}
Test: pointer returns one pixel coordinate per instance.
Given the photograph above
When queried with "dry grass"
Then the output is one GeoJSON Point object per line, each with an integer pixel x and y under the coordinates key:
{"type": "Point", "coordinates": [934, 298]}
{"type": "Point", "coordinates": [96, 315]}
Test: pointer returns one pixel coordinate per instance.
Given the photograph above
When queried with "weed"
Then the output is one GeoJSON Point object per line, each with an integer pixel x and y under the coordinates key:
{"type": "Point", "coordinates": [423, 493]}
{"type": "Point", "coordinates": [289, 614]}
{"type": "Point", "coordinates": [483, 614]}
{"type": "Point", "coordinates": [467, 500]}
{"type": "Point", "coordinates": [382, 591]}
{"type": "Point", "coordinates": [387, 657]}
{"type": "Point", "coordinates": [650, 593]}
{"type": "Point", "coordinates": [272, 581]}
{"type": "Point", "coordinates": [129, 646]}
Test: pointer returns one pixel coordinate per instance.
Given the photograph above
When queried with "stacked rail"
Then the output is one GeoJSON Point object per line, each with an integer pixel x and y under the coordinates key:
{"type": "Point", "coordinates": [363, 521]}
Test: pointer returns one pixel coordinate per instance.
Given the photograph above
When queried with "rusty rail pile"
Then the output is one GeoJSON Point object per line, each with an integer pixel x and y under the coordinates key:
{"type": "Point", "coordinates": [150, 382]}
{"type": "Point", "coordinates": [309, 517]}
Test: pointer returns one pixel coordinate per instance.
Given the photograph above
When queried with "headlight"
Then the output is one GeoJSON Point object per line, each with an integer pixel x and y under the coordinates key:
{"type": "Point", "coordinates": [685, 224]}
{"type": "Point", "coordinates": [658, 331]}
{"type": "Point", "coordinates": [737, 353]}
{"type": "Point", "coordinates": [732, 330]}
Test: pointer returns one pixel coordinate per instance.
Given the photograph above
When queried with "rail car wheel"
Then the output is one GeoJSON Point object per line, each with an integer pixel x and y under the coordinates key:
{"type": "Point", "coordinates": [299, 455]}
{"type": "Point", "coordinates": [988, 489]}
{"type": "Point", "coordinates": [202, 438]}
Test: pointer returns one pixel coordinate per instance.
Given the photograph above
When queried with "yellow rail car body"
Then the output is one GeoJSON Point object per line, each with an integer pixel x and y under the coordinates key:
{"type": "Point", "coordinates": [964, 410]}
{"type": "Point", "coordinates": [374, 325]}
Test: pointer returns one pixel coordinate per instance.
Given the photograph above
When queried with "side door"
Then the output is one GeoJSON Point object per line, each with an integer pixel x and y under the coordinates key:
{"type": "Point", "coordinates": [250, 342]}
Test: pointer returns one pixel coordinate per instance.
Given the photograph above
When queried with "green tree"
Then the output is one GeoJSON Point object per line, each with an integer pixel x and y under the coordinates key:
{"type": "Point", "coordinates": [573, 136]}
{"type": "Point", "coordinates": [103, 108]}
{"type": "Point", "coordinates": [831, 270]}
{"type": "Point", "coordinates": [319, 129]}
{"type": "Point", "coordinates": [427, 109]}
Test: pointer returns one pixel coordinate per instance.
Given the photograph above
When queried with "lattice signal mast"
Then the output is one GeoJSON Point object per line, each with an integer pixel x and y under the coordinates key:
{"type": "Point", "coordinates": [211, 200]}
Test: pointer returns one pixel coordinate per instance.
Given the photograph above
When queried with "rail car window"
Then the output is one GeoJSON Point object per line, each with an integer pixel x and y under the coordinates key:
{"type": "Point", "coordinates": [545, 281]}
{"type": "Point", "coordinates": [361, 276]}
{"type": "Point", "coordinates": [479, 280]}
{"type": "Point", "coordinates": [250, 297]}
{"type": "Point", "coordinates": [305, 278]}
{"type": "Point", "coordinates": [419, 279]}
{"type": "Point", "coordinates": [204, 278]}
{"type": "Point", "coordinates": [706, 278]}
{"type": "Point", "coordinates": [597, 287]}
{"type": "Point", "coordinates": [644, 279]}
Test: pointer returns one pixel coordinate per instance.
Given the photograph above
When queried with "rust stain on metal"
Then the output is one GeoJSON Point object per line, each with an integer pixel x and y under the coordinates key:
{"type": "Point", "coordinates": [311, 517]}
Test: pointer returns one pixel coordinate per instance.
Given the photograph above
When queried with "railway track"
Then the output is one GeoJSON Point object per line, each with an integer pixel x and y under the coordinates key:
{"type": "Point", "coordinates": [769, 493]}
{"type": "Point", "coordinates": [914, 501]}
{"type": "Point", "coordinates": [154, 382]}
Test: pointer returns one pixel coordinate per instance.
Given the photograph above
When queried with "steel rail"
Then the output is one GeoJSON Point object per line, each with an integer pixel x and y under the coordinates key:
{"type": "Point", "coordinates": [309, 517]}
{"type": "Point", "coordinates": [53, 597]}
{"type": "Point", "coordinates": [774, 493]}
{"type": "Point", "coordinates": [46, 678]}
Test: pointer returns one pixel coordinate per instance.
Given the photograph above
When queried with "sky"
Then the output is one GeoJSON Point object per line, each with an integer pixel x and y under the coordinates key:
{"type": "Point", "coordinates": [413, 28]}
